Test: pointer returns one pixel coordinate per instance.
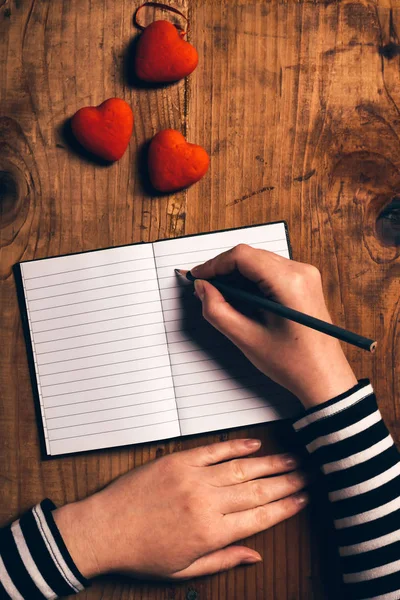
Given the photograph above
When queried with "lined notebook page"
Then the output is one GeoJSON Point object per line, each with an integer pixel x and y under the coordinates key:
{"type": "Point", "coordinates": [215, 385]}
{"type": "Point", "coordinates": [100, 349]}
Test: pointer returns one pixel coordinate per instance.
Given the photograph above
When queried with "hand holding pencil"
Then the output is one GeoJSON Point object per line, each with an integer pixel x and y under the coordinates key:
{"type": "Point", "coordinates": [305, 361]}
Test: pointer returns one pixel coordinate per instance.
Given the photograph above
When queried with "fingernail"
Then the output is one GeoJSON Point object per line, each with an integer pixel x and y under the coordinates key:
{"type": "Point", "coordinates": [250, 560]}
{"type": "Point", "coordinates": [252, 444]}
{"type": "Point", "coordinates": [291, 461]}
{"type": "Point", "coordinates": [199, 287]}
{"type": "Point", "coordinates": [302, 498]}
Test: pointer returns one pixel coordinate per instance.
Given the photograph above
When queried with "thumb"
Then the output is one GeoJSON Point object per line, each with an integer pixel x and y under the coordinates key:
{"type": "Point", "coordinates": [220, 560]}
{"type": "Point", "coordinates": [241, 330]}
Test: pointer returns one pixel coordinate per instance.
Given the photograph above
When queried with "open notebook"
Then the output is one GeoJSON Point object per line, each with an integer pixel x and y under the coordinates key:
{"type": "Point", "coordinates": [120, 353]}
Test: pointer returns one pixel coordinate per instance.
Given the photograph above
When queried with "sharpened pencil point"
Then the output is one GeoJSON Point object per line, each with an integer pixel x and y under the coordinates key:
{"type": "Point", "coordinates": [184, 274]}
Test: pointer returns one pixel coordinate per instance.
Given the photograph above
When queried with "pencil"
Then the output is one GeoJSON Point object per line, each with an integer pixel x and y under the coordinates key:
{"type": "Point", "coordinates": [339, 333]}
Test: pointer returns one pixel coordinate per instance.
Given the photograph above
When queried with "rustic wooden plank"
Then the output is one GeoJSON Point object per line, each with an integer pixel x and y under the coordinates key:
{"type": "Point", "coordinates": [298, 105]}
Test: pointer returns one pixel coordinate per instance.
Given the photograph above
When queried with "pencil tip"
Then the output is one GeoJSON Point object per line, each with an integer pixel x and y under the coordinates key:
{"type": "Point", "coordinates": [181, 273]}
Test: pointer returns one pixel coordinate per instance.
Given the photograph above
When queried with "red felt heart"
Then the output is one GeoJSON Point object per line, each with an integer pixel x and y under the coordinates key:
{"type": "Point", "coordinates": [104, 130]}
{"type": "Point", "coordinates": [174, 163]}
{"type": "Point", "coordinates": [162, 55]}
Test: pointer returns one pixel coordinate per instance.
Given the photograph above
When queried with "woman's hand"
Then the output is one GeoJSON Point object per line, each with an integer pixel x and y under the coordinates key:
{"type": "Point", "coordinates": [310, 364]}
{"type": "Point", "coordinates": [177, 516]}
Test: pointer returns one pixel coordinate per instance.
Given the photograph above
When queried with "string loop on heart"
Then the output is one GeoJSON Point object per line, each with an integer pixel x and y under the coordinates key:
{"type": "Point", "coordinates": [166, 7]}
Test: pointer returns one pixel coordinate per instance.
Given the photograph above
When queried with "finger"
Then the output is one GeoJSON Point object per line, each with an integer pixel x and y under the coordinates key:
{"type": "Point", "coordinates": [240, 525]}
{"type": "Point", "coordinates": [242, 470]}
{"type": "Point", "coordinates": [256, 493]}
{"type": "Point", "coordinates": [241, 330]}
{"type": "Point", "coordinates": [257, 265]}
{"type": "Point", "coordinates": [221, 560]}
{"type": "Point", "coordinates": [215, 453]}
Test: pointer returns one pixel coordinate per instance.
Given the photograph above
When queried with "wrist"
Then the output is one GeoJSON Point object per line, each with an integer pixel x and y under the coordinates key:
{"type": "Point", "coordinates": [77, 524]}
{"type": "Point", "coordinates": [327, 383]}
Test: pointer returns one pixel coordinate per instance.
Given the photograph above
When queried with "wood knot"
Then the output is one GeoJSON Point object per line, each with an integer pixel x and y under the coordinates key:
{"type": "Point", "coordinates": [8, 197]}
{"type": "Point", "coordinates": [19, 183]}
{"type": "Point", "coordinates": [191, 594]}
{"type": "Point", "coordinates": [390, 50]}
{"type": "Point", "coordinates": [388, 223]}
{"type": "Point", "coordinates": [371, 182]}
{"type": "Point", "coordinates": [13, 191]}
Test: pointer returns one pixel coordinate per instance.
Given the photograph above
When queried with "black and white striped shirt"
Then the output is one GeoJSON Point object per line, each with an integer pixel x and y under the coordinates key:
{"type": "Point", "coordinates": [361, 465]}
{"type": "Point", "coordinates": [354, 450]}
{"type": "Point", "coordinates": [34, 561]}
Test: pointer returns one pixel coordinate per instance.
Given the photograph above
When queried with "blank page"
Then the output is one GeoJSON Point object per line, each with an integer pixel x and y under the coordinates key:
{"type": "Point", "coordinates": [215, 385]}
{"type": "Point", "coordinates": [100, 350]}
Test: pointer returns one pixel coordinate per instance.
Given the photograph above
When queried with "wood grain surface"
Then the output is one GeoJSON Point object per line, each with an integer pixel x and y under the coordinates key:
{"type": "Point", "coordinates": [298, 104]}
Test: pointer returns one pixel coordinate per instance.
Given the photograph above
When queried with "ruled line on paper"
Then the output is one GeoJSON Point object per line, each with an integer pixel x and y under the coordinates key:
{"type": "Point", "coordinates": [113, 352]}
{"type": "Point", "coordinates": [220, 369]}
{"type": "Point", "coordinates": [112, 397]}
{"type": "Point", "coordinates": [100, 376]}
{"type": "Point", "coordinates": [159, 412]}
{"type": "Point", "coordinates": [102, 365]}
{"type": "Point", "coordinates": [98, 343]}
{"type": "Point", "coordinates": [58, 272]}
{"type": "Point", "coordinates": [123, 438]}
{"type": "Point", "coordinates": [103, 387]}
{"type": "Point", "coordinates": [41, 287]}
{"type": "Point", "coordinates": [216, 249]}
{"type": "Point", "coordinates": [162, 381]}
{"type": "Point", "coordinates": [230, 411]}
{"type": "Point", "coordinates": [93, 322]}
{"type": "Point", "coordinates": [283, 252]}
{"type": "Point", "coordinates": [84, 302]}
{"type": "Point", "coordinates": [130, 313]}
{"type": "Point", "coordinates": [85, 334]}
{"type": "Point", "coordinates": [184, 260]}
{"type": "Point", "coordinates": [264, 405]}
{"type": "Point", "coordinates": [88, 290]}
{"type": "Point", "coordinates": [213, 380]}
{"type": "Point", "coordinates": [113, 430]}
{"type": "Point", "coordinates": [97, 410]}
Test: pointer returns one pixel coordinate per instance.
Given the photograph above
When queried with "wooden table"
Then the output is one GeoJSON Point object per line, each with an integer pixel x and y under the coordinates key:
{"type": "Point", "coordinates": [298, 106]}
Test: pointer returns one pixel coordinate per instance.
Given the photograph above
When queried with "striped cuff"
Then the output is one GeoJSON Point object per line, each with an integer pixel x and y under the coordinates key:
{"type": "Point", "coordinates": [355, 451]}
{"type": "Point", "coordinates": [34, 561]}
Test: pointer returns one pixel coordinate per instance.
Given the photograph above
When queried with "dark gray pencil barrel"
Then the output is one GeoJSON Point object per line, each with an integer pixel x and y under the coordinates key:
{"type": "Point", "coordinates": [294, 315]}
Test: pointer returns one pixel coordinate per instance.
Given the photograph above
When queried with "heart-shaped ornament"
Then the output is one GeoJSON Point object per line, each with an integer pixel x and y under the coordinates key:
{"type": "Point", "coordinates": [104, 130]}
{"type": "Point", "coordinates": [173, 163]}
{"type": "Point", "coordinates": [162, 56]}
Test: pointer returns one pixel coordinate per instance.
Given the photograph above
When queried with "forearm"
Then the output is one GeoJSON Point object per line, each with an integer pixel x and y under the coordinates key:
{"type": "Point", "coordinates": [34, 561]}
{"type": "Point", "coordinates": [355, 451]}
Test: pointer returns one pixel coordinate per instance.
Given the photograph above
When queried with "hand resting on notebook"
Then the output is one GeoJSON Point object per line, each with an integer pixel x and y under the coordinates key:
{"type": "Point", "coordinates": [177, 516]}
{"type": "Point", "coordinates": [310, 364]}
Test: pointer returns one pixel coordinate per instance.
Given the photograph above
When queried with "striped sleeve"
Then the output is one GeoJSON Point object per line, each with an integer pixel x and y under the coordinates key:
{"type": "Point", "coordinates": [34, 561]}
{"type": "Point", "coordinates": [352, 446]}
